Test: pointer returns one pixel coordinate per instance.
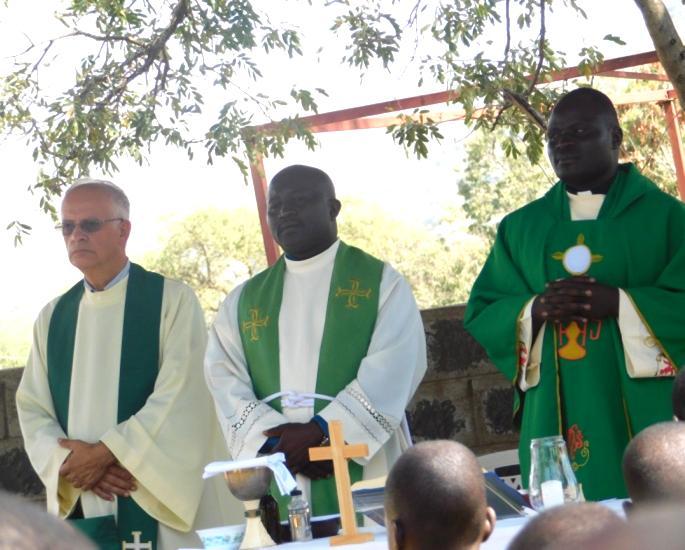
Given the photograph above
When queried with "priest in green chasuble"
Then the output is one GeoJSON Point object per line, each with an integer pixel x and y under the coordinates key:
{"type": "Point", "coordinates": [581, 302]}
{"type": "Point", "coordinates": [327, 333]}
{"type": "Point", "coordinates": [116, 417]}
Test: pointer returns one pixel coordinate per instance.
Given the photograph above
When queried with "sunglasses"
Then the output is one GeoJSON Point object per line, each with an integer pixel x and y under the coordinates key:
{"type": "Point", "coordinates": [89, 225]}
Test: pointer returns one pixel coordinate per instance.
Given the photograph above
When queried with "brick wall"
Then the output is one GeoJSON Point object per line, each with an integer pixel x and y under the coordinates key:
{"type": "Point", "coordinates": [462, 397]}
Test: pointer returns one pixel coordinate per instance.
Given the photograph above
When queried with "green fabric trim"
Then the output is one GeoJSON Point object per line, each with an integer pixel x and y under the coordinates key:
{"type": "Point", "coordinates": [137, 371]}
{"type": "Point", "coordinates": [102, 530]}
{"type": "Point", "coordinates": [60, 355]}
{"type": "Point", "coordinates": [258, 309]}
{"type": "Point", "coordinates": [351, 314]}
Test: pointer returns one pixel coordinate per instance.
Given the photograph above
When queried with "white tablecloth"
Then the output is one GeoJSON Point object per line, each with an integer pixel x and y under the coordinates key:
{"type": "Point", "coordinates": [505, 531]}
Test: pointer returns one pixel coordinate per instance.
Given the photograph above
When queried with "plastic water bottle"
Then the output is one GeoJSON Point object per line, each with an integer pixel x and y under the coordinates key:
{"type": "Point", "coordinates": [299, 517]}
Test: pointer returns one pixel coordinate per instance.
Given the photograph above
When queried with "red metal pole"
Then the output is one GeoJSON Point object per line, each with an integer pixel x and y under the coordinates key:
{"type": "Point", "coordinates": [673, 126]}
{"type": "Point", "coordinates": [260, 190]}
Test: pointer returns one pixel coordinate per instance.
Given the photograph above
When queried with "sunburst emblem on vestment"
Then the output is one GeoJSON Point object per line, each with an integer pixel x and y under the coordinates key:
{"type": "Point", "coordinates": [578, 258]}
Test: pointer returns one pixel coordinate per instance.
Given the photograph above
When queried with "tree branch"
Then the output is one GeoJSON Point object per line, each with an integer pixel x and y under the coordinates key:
{"type": "Point", "coordinates": [541, 49]}
{"type": "Point", "coordinates": [153, 51]}
{"type": "Point", "coordinates": [508, 27]}
{"type": "Point", "coordinates": [667, 42]}
{"type": "Point", "coordinates": [108, 37]}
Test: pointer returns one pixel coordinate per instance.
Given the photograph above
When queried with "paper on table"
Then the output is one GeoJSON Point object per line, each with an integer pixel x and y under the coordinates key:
{"type": "Point", "coordinates": [276, 462]}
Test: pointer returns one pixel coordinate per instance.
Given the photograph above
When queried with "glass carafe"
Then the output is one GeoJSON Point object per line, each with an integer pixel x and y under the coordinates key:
{"type": "Point", "coordinates": [552, 481]}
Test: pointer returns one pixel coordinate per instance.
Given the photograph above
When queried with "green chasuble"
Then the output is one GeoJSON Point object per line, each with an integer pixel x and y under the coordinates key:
{"type": "Point", "coordinates": [137, 374]}
{"type": "Point", "coordinates": [351, 314]}
{"type": "Point", "coordinates": [637, 244]}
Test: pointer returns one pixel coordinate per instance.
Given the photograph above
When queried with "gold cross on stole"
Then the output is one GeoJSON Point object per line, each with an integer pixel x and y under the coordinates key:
{"type": "Point", "coordinates": [338, 452]}
{"type": "Point", "coordinates": [254, 323]}
{"type": "Point", "coordinates": [353, 293]}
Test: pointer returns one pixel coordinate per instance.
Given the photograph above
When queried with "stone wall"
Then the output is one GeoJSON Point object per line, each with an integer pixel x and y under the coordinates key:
{"type": "Point", "coordinates": [16, 474]}
{"type": "Point", "coordinates": [462, 397]}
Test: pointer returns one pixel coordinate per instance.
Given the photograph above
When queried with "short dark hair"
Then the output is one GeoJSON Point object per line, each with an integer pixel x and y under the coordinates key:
{"type": "Point", "coordinates": [301, 172]}
{"type": "Point", "coordinates": [588, 96]}
{"type": "Point", "coordinates": [568, 525]}
{"type": "Point", "coordinates": [678, 395]}
{"type": "Point", "coordinates": [654, 463]}
{"type": "Point", "coordinates": [436, 492]}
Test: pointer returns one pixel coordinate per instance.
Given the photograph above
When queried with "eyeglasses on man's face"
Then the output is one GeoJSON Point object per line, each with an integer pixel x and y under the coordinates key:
{"type": "Point", "coordinates": [89, 225]}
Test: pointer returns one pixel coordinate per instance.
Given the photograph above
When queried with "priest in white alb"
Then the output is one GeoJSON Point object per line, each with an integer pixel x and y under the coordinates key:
{"type": "Point", "coordinates": [113, 408]}
{"type": "Point", "coordinates": [327, 333]}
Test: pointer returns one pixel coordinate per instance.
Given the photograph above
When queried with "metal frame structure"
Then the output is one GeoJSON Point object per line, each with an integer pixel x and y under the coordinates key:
{"type": "Point", "coordinates": [376, 115]}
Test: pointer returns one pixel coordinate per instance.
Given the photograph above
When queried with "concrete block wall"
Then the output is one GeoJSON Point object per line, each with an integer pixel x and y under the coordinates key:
{"type": "Point", "coordinates": [16, 474]}
{"type": "Point", "coordinates": [463, 397]}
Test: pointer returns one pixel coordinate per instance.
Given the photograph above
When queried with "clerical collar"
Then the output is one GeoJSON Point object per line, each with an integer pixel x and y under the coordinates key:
{"type": "Point", "coordinates": [322, 258]}
{"type": "Point", "coordinates": [123, 273]}
{"type": "Point", "coordinates": [587, 193]}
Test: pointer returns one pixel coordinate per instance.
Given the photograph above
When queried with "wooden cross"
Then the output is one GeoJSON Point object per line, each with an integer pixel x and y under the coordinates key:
{"type": "Point", "coordinates": [254, 323]}
{"type": "Point", "coordinates": [338, 452]}
{"type": "Point", "coordinates": [353, 293]}
{"type": "Point", "coordinates": [136, 544]}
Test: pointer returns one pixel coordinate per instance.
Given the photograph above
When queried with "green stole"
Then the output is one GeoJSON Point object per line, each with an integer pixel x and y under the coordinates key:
{"type": "Point", "coordinates": [350, 320]}
{"type": "Point", "coordinates": [137, 375]}
{"type": "Point", "coordinates": [584, 392]}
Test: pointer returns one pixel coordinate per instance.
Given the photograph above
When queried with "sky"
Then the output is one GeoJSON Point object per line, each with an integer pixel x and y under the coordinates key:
{"type": "Point", "coordinates": [363, 164]}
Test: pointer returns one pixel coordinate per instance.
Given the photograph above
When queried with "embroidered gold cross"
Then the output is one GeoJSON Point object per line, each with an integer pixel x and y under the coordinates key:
{"type": "Point", "coordinates": [353, 293]}
{"type": "Point", "coordinates": [255, 323]}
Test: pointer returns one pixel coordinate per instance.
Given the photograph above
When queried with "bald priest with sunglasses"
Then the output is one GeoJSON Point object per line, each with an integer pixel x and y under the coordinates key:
{"type": "Point", "coordinates": [116, 417]}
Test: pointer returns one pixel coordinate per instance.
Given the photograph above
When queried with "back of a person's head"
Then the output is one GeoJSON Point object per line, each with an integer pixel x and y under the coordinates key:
{"type": "Point", "coordinates": [435, 498]}
{"type": "Point", "coordinates": [678, 395]}
{"type": "Point", "coordinates": [569, 525]}
{"type": "Point", "coordinates": [654, 464]}
{"type": "Point", "coordinates": [25, 526]}
{"type": "Point", "coordinates": [657, 527]}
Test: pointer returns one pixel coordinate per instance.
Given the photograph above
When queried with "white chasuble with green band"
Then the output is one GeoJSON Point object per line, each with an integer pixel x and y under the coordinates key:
{"type": "Point", "coordinates": [137, 375]}
{"type": "Point", "coordinates": [350, 320]}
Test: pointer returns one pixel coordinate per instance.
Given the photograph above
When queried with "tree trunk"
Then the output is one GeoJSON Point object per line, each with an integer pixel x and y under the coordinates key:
{"type": "Point", "coordinates": [669, 47]}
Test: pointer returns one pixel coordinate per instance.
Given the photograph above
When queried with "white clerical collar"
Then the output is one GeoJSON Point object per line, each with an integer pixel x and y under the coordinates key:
{"type": "Point", "coordinates": [121, 275]}
{"type": "Point", "coordinates": [323, 258]}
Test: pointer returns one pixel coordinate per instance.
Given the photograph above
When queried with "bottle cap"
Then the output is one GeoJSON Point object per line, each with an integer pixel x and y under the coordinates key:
{"type": "Point", "coordinates": [295, 492]}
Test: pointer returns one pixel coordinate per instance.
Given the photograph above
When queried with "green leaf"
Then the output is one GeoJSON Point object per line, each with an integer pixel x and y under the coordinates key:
{"type": "Point", "coordinates": [616, 39]}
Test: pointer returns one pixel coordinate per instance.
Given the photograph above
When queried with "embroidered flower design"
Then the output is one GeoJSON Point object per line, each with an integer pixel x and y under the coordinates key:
{"type": "Point", "coordinates": [666, 368]}
{"type": "Point", "coordinates": [577, 447]}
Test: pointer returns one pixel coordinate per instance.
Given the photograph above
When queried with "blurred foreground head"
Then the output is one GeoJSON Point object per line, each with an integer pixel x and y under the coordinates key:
{"type": "Point", "coordinates": [654, 527]}
{"type": "Point", "coordinates": [435, 498]}
{"type": "Point", "coordinates": [567, 526]}
{"type": "Point", "coordinates": [25, 526]}
{"type": "Point", "coordinates": [654, 464]}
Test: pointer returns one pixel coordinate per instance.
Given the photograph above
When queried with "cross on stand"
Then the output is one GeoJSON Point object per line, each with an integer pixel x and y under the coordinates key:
{"type": "Point", "coordinates": [338, 452]}
{"type": "Point", "coordinates": [136, 544]}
